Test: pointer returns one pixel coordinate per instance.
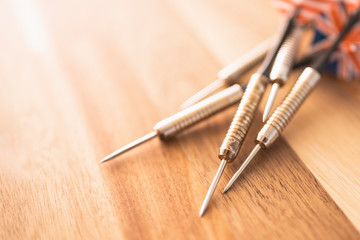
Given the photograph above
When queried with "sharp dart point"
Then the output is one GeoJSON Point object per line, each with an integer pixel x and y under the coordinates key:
{"type": "Point", "coordinates": [243, 166]}
{"type": "Point", "coordinates": [270, 101]}
{"type": "Point", "coordinates": [131, 145]}
{"type": "Point", "coordinates": [212, 187]}
{"type": "Point", "coordinates": [107, 158]}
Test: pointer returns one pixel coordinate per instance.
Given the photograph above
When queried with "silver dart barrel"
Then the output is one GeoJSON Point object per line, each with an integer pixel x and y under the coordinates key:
{"type": "Point", "coordinates": [242, 120]}
{"type": "Point", "coordinates": [170, 126]}
{"type": "Point", "coordinates": [287, 109]}
{"type": "Point", "coordinates": [231, 73]}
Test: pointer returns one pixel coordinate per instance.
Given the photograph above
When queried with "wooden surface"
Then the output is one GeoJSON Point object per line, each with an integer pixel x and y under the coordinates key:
{"type": "Point", "coordinates": [82, 78]}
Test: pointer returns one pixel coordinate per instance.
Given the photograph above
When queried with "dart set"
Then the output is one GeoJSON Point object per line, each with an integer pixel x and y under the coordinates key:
{"type": "Point", "coordinates": [335, 48]}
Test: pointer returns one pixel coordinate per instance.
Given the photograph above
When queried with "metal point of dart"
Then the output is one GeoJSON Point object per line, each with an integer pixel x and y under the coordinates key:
{"type": "Point", "coordinates": [212, 187]}
{"type": "Point", "coordinates": [270, 101]}
{"type": "Point", "coordinates": [130, 146]}
{"type": "Point", "coordinates": [243, 166]}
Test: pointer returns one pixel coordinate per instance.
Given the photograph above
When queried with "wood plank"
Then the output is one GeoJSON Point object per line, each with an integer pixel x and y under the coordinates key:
{"type": "Point", "coordinates": [92, 91]}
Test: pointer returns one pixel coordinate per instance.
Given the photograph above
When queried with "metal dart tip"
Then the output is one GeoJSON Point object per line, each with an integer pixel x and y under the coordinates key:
{"type": "Point", "coordinates": [212, 187]}
{"type": "Point", "coordinates": [107, 158]}
{"type": "Point", "coordinates": [130, 146]}
{"type": "Point", "coordinates": [243, 166]}
{"type": "Point", "coordinates": [270, 101]}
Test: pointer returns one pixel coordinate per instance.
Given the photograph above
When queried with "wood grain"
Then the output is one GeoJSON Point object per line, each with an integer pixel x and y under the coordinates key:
{"type": "Point", "coordinates": [109, 73]}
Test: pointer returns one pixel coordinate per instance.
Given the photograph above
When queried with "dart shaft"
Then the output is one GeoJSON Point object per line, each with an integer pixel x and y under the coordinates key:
{"type": "Point", "coordinates": [287, 109]}
{"type": "Point", "coordinates": [198, 112]}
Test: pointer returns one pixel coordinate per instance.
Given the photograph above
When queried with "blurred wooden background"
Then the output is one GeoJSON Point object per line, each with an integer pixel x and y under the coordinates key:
{"type": "Point", "coordinates": [81, 78]}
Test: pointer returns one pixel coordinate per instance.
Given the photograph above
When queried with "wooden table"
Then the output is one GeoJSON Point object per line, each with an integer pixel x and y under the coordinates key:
{"type": "Point", "coordinates": [81, 78]}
